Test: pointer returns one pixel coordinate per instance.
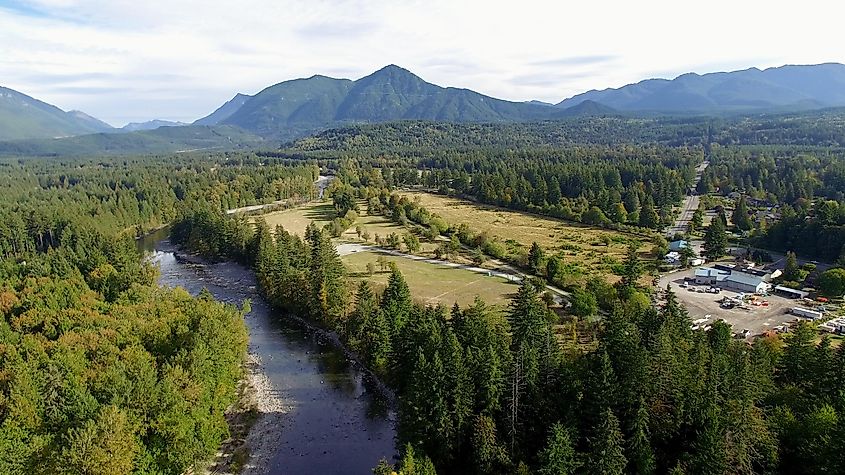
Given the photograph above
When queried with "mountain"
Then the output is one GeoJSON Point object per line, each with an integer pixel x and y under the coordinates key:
{"type": "Point", "coordinates": [301, 106]}
{"type": "Point", "coordinates": [150, 125]}
{"type": "Point", "coordinates": [223, 112]}
{"type": "Point", "coordinates": [23, 117]}
{"type": "Point", "coordinates": [781, 88]}
{"type": "Point", "coordinates": [586, 108]}
{"type": "Point", "coordinates": [161, 140]}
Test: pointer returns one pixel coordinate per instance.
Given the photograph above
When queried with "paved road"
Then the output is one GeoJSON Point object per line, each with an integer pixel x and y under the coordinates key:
{"type": "Point", "coordinates": [503, 270]}
{"type": "Point", "coordinates": [688, 208]}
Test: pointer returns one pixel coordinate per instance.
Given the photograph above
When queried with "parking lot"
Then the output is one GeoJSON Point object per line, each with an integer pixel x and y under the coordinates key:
{"type": "Point", "coordinates": [700, 304]}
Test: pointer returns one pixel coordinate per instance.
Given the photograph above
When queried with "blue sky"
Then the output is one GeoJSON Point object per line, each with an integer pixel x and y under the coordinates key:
{"type": "Point", "coordinates": [123, 60]}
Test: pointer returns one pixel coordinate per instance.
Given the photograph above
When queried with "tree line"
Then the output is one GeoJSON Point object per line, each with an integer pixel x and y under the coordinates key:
{"type": "Point", "coordinates": [485, 392]}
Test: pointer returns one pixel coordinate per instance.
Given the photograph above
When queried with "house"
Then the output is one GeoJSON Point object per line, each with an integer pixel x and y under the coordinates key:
{"type": "Point", "coordinates": [676, 246]}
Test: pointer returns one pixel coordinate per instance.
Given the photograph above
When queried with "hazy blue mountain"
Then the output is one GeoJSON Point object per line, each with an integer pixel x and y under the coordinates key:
{"type": "Point", "coordinates": [223, 112]}
{"type": "Point", "coordinates": [781, 88]}
{"type": "Point", "coordinates": [161, 140]}
{"type": "Point", "coordinates": [150, 125]}
{"type": "Point", "coordinates": [293, 108]}
{"type": "Point", "coordinates": [23, 117]}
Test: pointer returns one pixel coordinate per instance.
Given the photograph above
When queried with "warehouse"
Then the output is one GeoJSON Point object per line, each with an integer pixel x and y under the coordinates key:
{"type": "Point", "coordinates": [747, 283]}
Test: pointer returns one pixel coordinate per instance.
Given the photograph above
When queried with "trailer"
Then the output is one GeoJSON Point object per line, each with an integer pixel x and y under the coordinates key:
{"type": "Point", "coordinates": [806, 313]}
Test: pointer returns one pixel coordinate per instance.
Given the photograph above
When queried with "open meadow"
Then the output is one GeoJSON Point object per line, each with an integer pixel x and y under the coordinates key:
{"type": "Point", "coordinates": [586, 249]}
{"type": "Point", "coordinates": [433, 284]}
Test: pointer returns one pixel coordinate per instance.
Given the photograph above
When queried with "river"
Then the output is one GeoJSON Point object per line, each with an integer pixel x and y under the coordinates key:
{"type": "Point", "coordinates": [336, 423]}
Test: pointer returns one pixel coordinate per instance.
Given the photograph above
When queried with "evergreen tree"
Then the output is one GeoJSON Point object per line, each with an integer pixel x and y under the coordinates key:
{"type": "Point", "coordinates": [715, 240]}
{"type": "Point", "coordinates": [791, 270]}
{"type": "Point", "coordinates": [606, 456]}
{"type": "Point", "coordinates": [648, 216]}
{"type": "Point", "coordinates": [488, 456]}
{"type": "Point", "coordinates": [740, 216]}
{"type": "Point", "coordinates": [558, 456]}
{"type": "Point", "coordinates": [639, 452]}
{"type": "Point", "coordinates": [396, 301]}
{"type": "Point", "coordinates": [697, 219]}
{"type": "Point", "coordinates": [535, 257]}
{"type": "Point", "coordinates": [632, 270]}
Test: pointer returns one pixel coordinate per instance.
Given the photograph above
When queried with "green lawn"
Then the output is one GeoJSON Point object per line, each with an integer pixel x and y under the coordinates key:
{"type": "Point", "coordinates": [433, 284]}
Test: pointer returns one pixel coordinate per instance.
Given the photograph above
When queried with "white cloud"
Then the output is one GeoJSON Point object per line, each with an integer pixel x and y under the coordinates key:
{"type": "Point", "coordinates": [127, 60]}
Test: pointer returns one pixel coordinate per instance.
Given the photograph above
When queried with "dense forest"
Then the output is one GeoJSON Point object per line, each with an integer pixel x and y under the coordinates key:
{"type": "Point", "coordinates": [484, 392]}
{"type": "Point", "coordinates": [616, 172]}
{"type": "Point", "coordinates": [102, 371]}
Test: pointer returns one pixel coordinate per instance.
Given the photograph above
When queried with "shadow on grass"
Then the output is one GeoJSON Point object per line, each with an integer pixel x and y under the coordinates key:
{"type": "Point", "coordinates": [323, 212]}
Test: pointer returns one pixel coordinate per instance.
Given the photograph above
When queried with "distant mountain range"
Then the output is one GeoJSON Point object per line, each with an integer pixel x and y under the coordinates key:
{"type": "Point", "coordinates": [23, 117]}
{"type": "Point", "coordinates": [783, 88]}
{"type": "Point", "coordinates": [299, 107]}
{"type": "Point", "coordinates": [161, 140]}
{"type": "Point", "coordinates": [150, 125]}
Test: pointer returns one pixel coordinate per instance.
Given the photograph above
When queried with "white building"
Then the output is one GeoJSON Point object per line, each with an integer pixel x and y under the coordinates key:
{"type": "Point", "coordinates": [733, 279]}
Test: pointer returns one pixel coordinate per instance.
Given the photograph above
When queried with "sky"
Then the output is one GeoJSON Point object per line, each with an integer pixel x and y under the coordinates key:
{"type": "Point", "coordinates": [136, 60]}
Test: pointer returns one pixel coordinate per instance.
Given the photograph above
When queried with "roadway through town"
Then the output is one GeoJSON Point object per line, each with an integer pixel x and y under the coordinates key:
{"type": "Point", "coordinates": [691, 202]}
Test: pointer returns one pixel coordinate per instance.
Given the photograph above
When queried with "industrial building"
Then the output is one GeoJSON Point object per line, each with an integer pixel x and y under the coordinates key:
{"type": "Point", "coordinates": [739, 279]}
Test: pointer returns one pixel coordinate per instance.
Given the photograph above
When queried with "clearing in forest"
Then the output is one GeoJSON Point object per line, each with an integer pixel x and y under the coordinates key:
{"type": "Point", "coordinates": [430, 283]}
{"type": "Point", "coordinates": [295, 220]}
{"type": "Point", "coordinates": [589, 249]}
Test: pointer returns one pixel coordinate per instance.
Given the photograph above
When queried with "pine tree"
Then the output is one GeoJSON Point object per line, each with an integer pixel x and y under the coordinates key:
{"type": "Point", "coordinates": [458, 390]}
{"type": "Point", "coordinates": [648, 216]}
{"type": "Point", "coordinates": [366, 305]}
{"type": "Point", "coordinates": [396, 301]}
{"type": "Point", "coordinates": [487, 453]}
{"type": "Point", "coordinates": [535, 257]}
{"type": "Point", "coordinates": [639, 452]}
{"type": "Point", "coordinates": [606, 456]}
{"type": "Point", "coordinates": [715, 240]}
{"type": "Point", "coordinates": [632, 270]}
{"type": "Point", "coordinates": [740, 216]}
{"type": "Point", "coordinates": [791, 271]}
{"type": "Point", "coordinates": [558, 457]}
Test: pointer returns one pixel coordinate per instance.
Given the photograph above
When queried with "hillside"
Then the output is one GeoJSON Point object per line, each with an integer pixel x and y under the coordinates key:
{"type": "Point", "coordinates": [24, 117]}
{"type": "Point", "coordinates": [782, 88]}
{"type": "Point", "coordinates": [223, 112]}
{"type": "Point", "coordinates": [586, 108]}
{"type": "Point", "coordinates": [161, 140]}
{"type": "Point", "coordinates": [300, 106]}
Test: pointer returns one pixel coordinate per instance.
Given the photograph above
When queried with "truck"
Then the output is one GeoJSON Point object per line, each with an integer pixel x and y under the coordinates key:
{"type": "Point", "coordinates": [806, 313]}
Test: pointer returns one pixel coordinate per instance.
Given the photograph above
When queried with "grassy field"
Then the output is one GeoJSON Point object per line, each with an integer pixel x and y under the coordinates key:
{"type": "Point", "coordinates": [591, 250]}
{"type": "Point", "coordinates": [432, 284]}
{"type": "Point", "coordinates": [295, 220]}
